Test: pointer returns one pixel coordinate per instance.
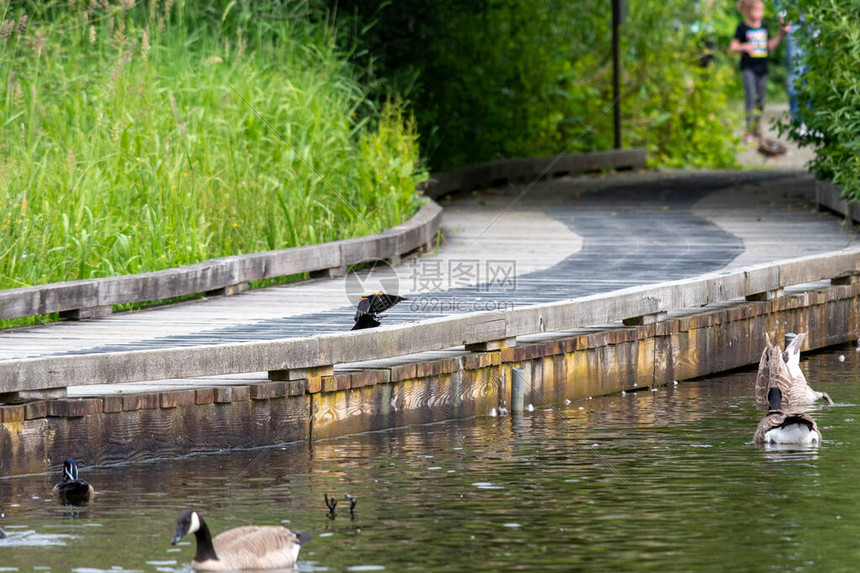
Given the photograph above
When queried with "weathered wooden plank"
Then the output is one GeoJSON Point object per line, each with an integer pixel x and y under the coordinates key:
{"type": "Point", "coordinates": [818, 267]}
{"type": "Point", "coordinates": [54, 297]}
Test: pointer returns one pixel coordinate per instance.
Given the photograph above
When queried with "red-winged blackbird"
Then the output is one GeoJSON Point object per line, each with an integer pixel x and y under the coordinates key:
{"type": "Point", "coordinates": [365, 321]}
{"type": "Point", "coordinates": [371, 305]}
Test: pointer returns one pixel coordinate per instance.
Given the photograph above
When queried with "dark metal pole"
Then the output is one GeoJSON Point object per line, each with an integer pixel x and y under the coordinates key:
{"type": "Point", "coordinates": [616, 100]}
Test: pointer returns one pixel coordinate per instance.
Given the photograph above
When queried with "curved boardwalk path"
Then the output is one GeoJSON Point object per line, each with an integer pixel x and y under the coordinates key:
{"type": "Point", "coordinates": [565, 238]}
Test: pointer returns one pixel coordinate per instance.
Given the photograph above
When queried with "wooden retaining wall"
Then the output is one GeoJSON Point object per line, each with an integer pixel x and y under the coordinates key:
{"type": "Point", "coordinates": [452, 384]}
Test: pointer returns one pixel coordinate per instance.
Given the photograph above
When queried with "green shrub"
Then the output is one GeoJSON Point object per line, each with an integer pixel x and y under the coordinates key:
{"type": "Point", "coordinates": [676, 107]}
{"type": "Point", "coordinates": [829, 91]}
{"type": "Point", "coordinates": [141, 139]}
{"type": "Point", "coordinates": [503, 78]}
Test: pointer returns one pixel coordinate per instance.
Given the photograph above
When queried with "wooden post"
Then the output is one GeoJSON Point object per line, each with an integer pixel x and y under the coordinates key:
{"type": "Point", "coordinates": [85, 313]}
{"type": "Point", "coordinates": [766, 295]}
{"type": "Point", "coordinates": [314, 376]}
{"type": "Point", "coordinates": [518, 386]}
{"type": "Point", "coordinates": [851, 279]}
{"type": "Point", "coordinates": [332, 273]}
{"type": "Point", "coordinates": [26, 395]}
{"type": "Point", "coordinates": [228, 290]}
{"type": "Point", "coordinates": [492, 345]}
{"type": "Point", "coordinates": [395, 260]}
{"type": "Point", "coordinates": [645, 319]}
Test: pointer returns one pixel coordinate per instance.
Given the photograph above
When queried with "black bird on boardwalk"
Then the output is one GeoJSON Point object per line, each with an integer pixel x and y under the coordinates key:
{"type": "Point", "coordinates": [371, 305]}
{"type": "Point", "coordinates": [73, 490]}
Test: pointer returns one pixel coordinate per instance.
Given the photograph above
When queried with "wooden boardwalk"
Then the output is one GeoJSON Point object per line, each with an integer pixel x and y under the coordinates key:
{"type": "Point", "coordinates": [565, 238]}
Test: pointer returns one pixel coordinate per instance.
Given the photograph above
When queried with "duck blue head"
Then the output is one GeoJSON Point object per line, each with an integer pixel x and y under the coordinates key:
{"type": "Point", "coordinates": [70, 470]}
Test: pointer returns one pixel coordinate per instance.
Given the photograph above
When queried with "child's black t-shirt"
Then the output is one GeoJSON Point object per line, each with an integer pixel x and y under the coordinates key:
{"type": "Point", "coordinates": [757, 61]}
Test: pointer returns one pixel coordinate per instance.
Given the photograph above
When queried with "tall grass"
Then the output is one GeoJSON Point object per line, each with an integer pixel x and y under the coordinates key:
{"type": "Point", "coordinates": [141, 137]}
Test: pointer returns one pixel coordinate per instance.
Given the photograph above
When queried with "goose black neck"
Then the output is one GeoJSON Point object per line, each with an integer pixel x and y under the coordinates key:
{"type": "Point", "coordinates": [205, 549]}
{"type": "Point", "coordinates": [774, 398]}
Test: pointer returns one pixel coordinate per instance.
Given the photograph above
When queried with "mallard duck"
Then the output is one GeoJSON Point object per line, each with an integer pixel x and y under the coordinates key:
{"type": "Point", "coordinates": [73, 490]}
{"type": "Point", "coordinates": [778, 427]}
{"type": "Point", "coordinates": [782, 369]}
{"type": "Point", "coordinates": [371, 305]}
{"type": "Point", "coordinates": [246, 547]}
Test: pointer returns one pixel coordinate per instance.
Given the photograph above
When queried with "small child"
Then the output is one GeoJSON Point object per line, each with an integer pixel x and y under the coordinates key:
{"type": "Point", "coordinates": [752, 42]}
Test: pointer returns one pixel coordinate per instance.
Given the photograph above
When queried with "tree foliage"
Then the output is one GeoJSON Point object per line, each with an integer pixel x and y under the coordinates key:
{"type": "Point", "coordinates": [829, 89]}
{"type": "Point", "coordinates": [505, 78]}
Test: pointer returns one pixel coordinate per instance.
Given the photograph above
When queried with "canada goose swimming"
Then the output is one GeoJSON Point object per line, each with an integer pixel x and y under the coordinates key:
{"type": "Point", "coordinates": [73, 490]}
{"type": "Point", "coordinates": [371, 305]}
{"type": "Point", "coordinates": [246, 547]}
{"type": "Point", "coordinates": [782, 369]}
{"type": "Point", "coordinates": [778, 427]}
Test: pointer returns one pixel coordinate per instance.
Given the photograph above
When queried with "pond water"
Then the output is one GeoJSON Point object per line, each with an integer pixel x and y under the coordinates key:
{"type": "Point", "coordinates": [649, 481]}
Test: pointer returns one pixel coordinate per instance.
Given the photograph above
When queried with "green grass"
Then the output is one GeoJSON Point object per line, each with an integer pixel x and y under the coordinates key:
{"type": "Point", "coordinates": [143, 139]}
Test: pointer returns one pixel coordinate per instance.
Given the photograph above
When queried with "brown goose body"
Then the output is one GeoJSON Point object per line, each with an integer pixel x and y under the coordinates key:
{"type": "Point", "coordinates": [778, 427]}
{"type": "Point", "coordinates": [246, 547]}
{"type": "Point", "coordinates": [782, 369]}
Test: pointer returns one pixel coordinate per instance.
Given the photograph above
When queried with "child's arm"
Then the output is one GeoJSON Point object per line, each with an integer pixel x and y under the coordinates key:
{"type": "Point", "coordinates": [772, 43]}
{"type": "Point", "coordinates": [736, 46]}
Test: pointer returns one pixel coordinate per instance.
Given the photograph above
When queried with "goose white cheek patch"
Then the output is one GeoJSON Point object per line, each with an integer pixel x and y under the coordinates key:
{"type": "Point", "coordinates": [195, 523]}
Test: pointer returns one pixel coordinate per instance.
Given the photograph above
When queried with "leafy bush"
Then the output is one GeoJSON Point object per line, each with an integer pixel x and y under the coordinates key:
{"type": "Point", "coordinates": [676, 107]}
{"type": "Point", "coordinates": [504, 78]}
{"type": "Point", "coordinates": [829, 91]}
{"type": "Point", "coordinates": [144, 138]}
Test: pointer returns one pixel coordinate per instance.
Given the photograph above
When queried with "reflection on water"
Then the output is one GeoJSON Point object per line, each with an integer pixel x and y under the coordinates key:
{"type": "Point", "coordinates": [19, 536]}
{"type": "Point", "coordinates": [648, 481]}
